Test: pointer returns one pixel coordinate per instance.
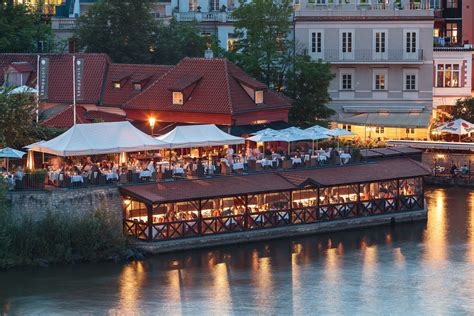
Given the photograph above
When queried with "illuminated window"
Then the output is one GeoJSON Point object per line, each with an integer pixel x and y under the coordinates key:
{"type": "Point", "coordinates": [447, 76]}
{"type": "Point", "coordinates": [137, 86]}
{"type": "Point", "coordinates": [380, 79]}
{"type": "Point", "coordinates": [232, 40]}
{"type": "Point", "coordinates": [178, 98]}
{"type": "Point", "coordinates": [116, 85]}
{"type": "Point", "coordinates": [258, 97]}
{"type": "Point", "coordinates": [452, 32]}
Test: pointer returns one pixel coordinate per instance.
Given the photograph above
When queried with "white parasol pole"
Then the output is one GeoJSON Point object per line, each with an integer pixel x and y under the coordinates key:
{"type": "Point", "coordinates": [74, 88]}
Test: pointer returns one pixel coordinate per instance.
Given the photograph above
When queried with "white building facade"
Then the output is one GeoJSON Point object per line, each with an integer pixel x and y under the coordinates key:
{"type": "Point", "coordinates": [382, 59]}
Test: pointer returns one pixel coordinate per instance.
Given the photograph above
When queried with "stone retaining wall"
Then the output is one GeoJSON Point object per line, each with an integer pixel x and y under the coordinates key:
{"type": "Point", "coordinates": [449, 181]}
{"type": "Point", "coordinates": [73, 202]}
{"type": "Point", "coordinates": [280, 232]}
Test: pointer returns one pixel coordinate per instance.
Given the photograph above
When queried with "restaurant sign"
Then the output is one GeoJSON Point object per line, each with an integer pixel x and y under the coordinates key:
{"type": "Point", "coordinates": [79, 69]}
{"type": "Point", "coordinates": [43, 78]}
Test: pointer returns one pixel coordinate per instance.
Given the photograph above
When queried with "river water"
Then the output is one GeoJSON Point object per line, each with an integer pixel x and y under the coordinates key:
{"type": "Point", "coordinates": [419, 268]}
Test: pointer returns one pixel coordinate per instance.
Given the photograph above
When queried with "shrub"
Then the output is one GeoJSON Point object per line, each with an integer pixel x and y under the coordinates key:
{"type": "Point", "coordinates": [58, 238]}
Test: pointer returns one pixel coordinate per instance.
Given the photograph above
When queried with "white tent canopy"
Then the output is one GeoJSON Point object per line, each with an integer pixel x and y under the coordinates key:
{"type": "Point", "coordinates": [99, 138]}
{"type": "Point", "coordinates": [23, 89]}
{"type": "Point", "coordinates": [266, 131]}
{"type": "Point", "coordinates": [317, 128]}
{"type": "Point", "coordinates": [199, 136]}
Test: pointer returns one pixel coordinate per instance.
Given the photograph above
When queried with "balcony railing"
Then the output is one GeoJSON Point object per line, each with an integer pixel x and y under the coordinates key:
{"type": "Point", "coordinates": [370, 56]}
{"type": "Point", "coordinates": [63, 24]}
{"type": "Point", "coordinates": [214, 16]}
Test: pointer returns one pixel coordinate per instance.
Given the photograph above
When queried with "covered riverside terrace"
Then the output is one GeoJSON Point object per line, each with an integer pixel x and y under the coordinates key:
{"type": "Point", "coordinates": [192, 208]}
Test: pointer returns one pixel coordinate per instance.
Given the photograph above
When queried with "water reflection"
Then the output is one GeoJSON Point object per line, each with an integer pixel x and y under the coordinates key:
{"type": "Point", "coordinates": [435, 236]}
{"type": "Point", "coordinates": [426, 267]}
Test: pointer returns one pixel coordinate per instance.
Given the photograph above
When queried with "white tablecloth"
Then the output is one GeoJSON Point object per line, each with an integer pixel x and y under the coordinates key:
{"type": "Point", "coordinates": [345, 157]}
{"type": "Point", "coordinates": [77, 179]}
{"type": "Point", "coordinates": [296, 160]}
{"type": "Point", "coordinates": [265, 162]}
{"type": "Point", "coordinates": [322, 158]}
{"type": "Point", "coordinates": [178, 171]}
{"type": "Point", "coordinates": [55, 176]}
{"type": "Point", "coordinates": [145, 174]}
{"type": "Point", "coordinates": [111, 176]}
{"type": "Point", "coordinates": [238, 166]}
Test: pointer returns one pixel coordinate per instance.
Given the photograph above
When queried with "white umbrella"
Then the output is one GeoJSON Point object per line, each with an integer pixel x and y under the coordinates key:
{"type": "Point", "coordinates": [266, 131]}
{"type": "Point", "coordinates": [458, 127]}
{"type": "Point", "coordinates": [294, 134]}
{"type": "Point", "coordinates": [337, 132]}
{"type": "Point", "coordinates": [269, 136]}
{"type": "Point", "coordinates": [23, 89]}
{"type": "Point", "coordinates": [10, 153]}
{"type": "Point", "coordinates": [317, 128]}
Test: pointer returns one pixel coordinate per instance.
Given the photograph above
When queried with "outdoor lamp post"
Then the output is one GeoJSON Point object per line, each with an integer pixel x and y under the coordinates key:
{"type": "Point", "coordinates": [152, 122]}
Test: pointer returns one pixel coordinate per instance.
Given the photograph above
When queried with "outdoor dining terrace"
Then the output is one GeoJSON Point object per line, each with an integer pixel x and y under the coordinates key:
{"type": "Point", "coordinates": [193, 208]}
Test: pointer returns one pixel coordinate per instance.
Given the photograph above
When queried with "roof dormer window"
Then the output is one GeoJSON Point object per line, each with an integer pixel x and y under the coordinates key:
{"type": "Point", "coordinates": [258, 97]}
{"type": "Point", "coordinates": [117, 85]}
{"type": "Point", "coordinates": [137, 86]}
{"type": "Point", "coordinates": [178, 98]}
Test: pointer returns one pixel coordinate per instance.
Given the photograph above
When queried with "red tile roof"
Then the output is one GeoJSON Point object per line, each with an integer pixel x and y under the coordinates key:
{"type": "Point", "coordinates": [276, 181]}
{"type": "Point", "coordinates": [218, 91]}
{"type": "Point", "coordinates": [22, 66]}
{"type": "Point", "coordinates": [60, 85]}
{"type": "Point", "coordinates": [64, 118]}
{"type": "Point", "coordinates": [144, 74]}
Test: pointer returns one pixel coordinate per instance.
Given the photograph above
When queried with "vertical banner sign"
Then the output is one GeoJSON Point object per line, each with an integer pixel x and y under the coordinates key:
{"type": "Point", "coordinates": [79, 69]}
{"type": "Point", "coordinates": [43, 78]}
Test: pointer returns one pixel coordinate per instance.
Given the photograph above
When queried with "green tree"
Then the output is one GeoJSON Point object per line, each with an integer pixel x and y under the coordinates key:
{"type": "Point", "coordinates": [264, 50]}
{"type": "Point", "coordinates": [17, 125]}
{"type": "Point", "coordinates": [464, 109]}
{"type": "Point", "coordinates": [307, 84]}
{"type": "Point", "coordinates": [22, 29]}
{"type": "Point", "coordinates": [125, 30]}
{"type": "Point", "coordinates": [178, 40]}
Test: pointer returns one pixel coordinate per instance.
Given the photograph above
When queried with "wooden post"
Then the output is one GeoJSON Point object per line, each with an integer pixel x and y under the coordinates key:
{"type": "Point", "coordinates": [317, 204]}
{"type": "Point", "coordinates": [469, 170]}
{"type": "Point", "coordinates": [150, 221]}
{"type": "Point", "coordinates": [290, 217]}
{"type": "Point", "coordinates": [397, 201]}
{"type": "Point", "coordinates": [422, 192]}
{"type": "Point", "coordinates": [358, 200]}
{"type": "Point", "coordinates": [435, 163]}
{"type": "Point", "coordinates": [200, 218]}
{"type": "Point", "coordinates": [246, 215]}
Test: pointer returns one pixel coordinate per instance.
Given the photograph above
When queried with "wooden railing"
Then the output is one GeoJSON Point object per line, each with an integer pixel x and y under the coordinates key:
{"type": "Point", "coordinates": [270, 219]}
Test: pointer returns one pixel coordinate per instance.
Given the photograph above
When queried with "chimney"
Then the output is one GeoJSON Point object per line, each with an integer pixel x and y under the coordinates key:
{"type": "Point", "coordinates": [209, 54]}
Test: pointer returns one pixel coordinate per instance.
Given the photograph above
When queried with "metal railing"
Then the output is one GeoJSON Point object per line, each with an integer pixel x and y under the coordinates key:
{"type": "Point", "coordinates": [369, 55]}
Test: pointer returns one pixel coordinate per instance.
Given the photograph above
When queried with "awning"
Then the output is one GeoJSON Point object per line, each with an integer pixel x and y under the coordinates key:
{"type": "Point", "coordinates": [413, 120]}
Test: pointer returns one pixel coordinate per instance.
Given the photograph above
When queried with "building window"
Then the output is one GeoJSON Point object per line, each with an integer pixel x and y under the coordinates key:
{"type": "Point", "coordinates": [232, 40]}
{"type": "Point", "coordinates": [213, 5]}
{"type": "Point", "coordinates": [316, 42]}
{"type": "Point", "coordinates": [193, 4]}
{"type": "Point", "coordinates": [380, 41]}
{"type": "Point", "coordinates": [410, 81]}
{"type": "Point", "coordinates": [178, 98]}
{"type": "Point", "coordinates": [447, 76]}
{"type": "Point", "coordinates": [137, 86]}
{"type": "Point", "coordinates": [451, 4]}
{"type": "Point", "coordinates": [258, 97]}
{"type": "Point", "coordinates": [116, 85]}
{"type": "Point", "coordinates": [380, 130]}
{"type": "Point", "coordinates": [410, 130]}
{"type": "Point", "coordinates": [410, 42]}
{"type": "Point", "coordinates": [346, 82]}
{"type": "Point", "coordinates": [347, 127]}
{"type": "Point", "coordinates": [380, 79]}
{"type": "Point", "coordinates": [346, 42]}
{"type": "Point", "coordinates": [452, 32]}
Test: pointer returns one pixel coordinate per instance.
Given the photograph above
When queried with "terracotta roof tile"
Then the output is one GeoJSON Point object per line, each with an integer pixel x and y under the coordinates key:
{"type": "Point", "coordinates": [64, 118]}
{"type": "Point", "coordinates": [23, 66]}
{"type": "Point", "coordinates": [60, 86]}
{"type": "Point", "coordinates": [145, 74]}
{"type": "Point", "coordinates": [217, 92]}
